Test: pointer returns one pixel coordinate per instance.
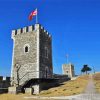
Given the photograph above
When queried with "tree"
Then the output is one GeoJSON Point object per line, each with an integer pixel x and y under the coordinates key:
{"type": "Point", "coordinates": [85, 68]}
{"type": "Point", "coordinates": [17, 67]}
{"type": "Point", "coordinates": [82, 70]}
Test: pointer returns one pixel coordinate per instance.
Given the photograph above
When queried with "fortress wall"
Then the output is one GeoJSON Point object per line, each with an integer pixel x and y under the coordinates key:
{"type": "Point", "coordinates": [4, 84]}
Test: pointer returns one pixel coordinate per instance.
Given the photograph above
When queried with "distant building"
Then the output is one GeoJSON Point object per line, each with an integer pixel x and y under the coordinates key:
{"type": "Point", "coordinates": [68, 69]}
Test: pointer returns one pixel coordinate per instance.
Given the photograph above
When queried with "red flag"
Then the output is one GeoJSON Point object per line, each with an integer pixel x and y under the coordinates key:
{"type": "Point", "coordinates": [33, 13]}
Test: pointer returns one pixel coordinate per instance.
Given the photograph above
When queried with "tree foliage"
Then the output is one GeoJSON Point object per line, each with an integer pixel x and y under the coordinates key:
{"type": "Point", "coordinates": [85, 68]}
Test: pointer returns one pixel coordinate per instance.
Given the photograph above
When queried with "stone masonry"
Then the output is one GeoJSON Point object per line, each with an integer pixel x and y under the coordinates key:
{"type": "Point", "coordinates": [32, 54]}
{"type": "Point", "coordinates": [68, 69]}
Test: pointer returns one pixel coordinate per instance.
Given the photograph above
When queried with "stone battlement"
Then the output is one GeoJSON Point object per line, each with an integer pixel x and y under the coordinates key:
{"type": "Point", "coordinates": [4, 78]}
{"type": "Point", "coordinates": [4, 84]}
{"type": "Point", "coordinates": [29, 29]}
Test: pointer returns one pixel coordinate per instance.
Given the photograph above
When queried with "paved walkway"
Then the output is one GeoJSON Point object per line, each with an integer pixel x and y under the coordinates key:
{"type": "Point", "coordinates": [89, 94]}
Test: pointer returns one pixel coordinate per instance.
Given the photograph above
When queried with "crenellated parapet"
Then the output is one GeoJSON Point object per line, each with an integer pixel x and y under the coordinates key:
{"type": "Point", "coordinates": [45, 32]}
{"type": "Point", "coordinates": [23, 30]}
{"type": "Point", "coordinates": [4, 78]}
{"type": "Point", "coordinates": [30, 29]}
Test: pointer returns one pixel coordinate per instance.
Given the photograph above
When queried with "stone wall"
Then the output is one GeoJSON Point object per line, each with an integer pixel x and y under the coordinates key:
{"type": "Point", "coordinates": [45, 54]}
{"type": "Point", "coordinates": [27, 61]}
{"type": "Point", "coordinates": [4, 84]}
{"type": "Point", "coordinates": [61, 78]}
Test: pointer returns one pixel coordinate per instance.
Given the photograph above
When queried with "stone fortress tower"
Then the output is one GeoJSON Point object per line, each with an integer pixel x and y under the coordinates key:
{"type": "Point", "coordinates": [32, 54]}
{"type": "Point", "coordinates": [68, 69]}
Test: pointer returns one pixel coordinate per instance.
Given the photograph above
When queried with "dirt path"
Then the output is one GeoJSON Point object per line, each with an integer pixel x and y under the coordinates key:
{"type": "Point", "coordinates": [89, 94]}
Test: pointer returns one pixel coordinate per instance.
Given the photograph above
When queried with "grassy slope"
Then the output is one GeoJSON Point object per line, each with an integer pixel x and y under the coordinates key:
{"type": "Point", "coordinates": [68, 88]}
{"type": "Point", "coordinates": [97, 81]}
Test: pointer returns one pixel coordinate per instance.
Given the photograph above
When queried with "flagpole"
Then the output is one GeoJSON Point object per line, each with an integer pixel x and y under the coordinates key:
{"type": "Point", "coordinates": [37, 16]}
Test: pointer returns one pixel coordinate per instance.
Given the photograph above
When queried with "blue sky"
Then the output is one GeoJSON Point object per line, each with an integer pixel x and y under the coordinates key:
{"type": "Point", "coordinates": [74, 25]}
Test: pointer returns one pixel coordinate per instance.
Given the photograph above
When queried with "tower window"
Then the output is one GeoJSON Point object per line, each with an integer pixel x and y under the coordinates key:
{"type": "Point", "coordinates": [26, 49]}
{"type": "Point", "coordinates": [46, 72]}
{"type": "Point", "coordinates": [66, 71]}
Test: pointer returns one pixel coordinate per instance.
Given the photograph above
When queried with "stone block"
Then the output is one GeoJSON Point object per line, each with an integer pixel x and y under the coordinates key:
{"type": "Point", "coordinates": [29, 91]}
{"type": "Point", "coordinates": [13, 90]}
{"type": "Point", "coordinates": [36, 89]}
